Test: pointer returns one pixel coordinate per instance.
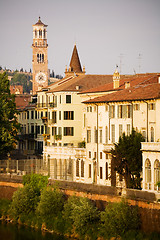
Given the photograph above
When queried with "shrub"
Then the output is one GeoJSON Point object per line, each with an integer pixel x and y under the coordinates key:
{"type": "Point", "coordinates": [36, 181]}
{"type": "Point", "coordinates": [118, 218]}
{"type": "Point", "coordinates": [50, 208]}
{"type": "Point", "coordinates": [81, 215]}
{"type": "Point", "coordinates": [24, 201]}
{"type": "Point", "coordinates": [4, 206]}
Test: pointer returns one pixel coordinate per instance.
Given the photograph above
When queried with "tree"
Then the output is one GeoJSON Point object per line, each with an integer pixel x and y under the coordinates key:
{"type": "Point", "coordinates": [8, 117]}
{"type": "Point", "coordinates": [127, 158]}
{"type": "Point", "coordinates": [119, 218]}
{"type": "Point", "coordinates": [22, 79]}
{"type": "Point", "coordinates": [81, 216]}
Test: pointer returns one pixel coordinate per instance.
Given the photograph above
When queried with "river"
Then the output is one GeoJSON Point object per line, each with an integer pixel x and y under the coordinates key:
{"type": "Point", "coordinates": [9, 231]}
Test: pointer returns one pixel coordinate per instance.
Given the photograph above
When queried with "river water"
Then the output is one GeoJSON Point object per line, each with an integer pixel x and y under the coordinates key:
{"type": "Point", "coordinates": [9, 231]}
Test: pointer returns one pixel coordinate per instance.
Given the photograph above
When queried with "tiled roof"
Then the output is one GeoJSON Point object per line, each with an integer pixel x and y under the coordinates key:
{"type": "Point", "coordinates": [80, 83]}
{"type": "Point", "coordinates": [22, 101]}
{"type": "Point", "coordinates": [40, 23]}
{"type": "Point", "coordinates": [138, 92]}
{"type": "Point", "coordinates": [132, 79]}
{"type": "Point", "coordinates": [75, 62]}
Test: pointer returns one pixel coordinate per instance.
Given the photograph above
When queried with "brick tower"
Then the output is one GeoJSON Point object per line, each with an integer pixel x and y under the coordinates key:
{"type": "Point", "coordinates": [40, 56]}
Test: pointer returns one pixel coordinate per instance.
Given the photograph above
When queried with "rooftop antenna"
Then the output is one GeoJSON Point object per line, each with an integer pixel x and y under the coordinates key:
{"type": "Point", "coordinates": [139, 61]}
{"type": "Point", "coordinates": [120, 65]}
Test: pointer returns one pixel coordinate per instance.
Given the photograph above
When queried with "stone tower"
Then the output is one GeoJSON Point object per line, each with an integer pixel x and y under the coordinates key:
{"type": "Point", "coordinates": [40, 56]}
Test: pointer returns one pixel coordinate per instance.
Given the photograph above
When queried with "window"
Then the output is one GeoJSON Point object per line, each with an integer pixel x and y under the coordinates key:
{"type": "Point", "coordinates": [89, 154]}
{"type": "Point", "coordinates": [113, 133]}
{"type": "Point", "coordinates": [106, 108]}
{"type": "Point", "coordinates": [82, 168]}
{"type": "Point", "coordinates": [60, 99]}
{"type": "Point", "coordinates": [120, 111]}
{"type": "Point", "coordinates": [27, 114]}
{"type": "Point", "coordinates": [95, 135]}
{"type": "Point", "coordinates": [100, 136]}
{"type": "Point", "coordinates": [106, 135]}
{"type": "Point", "coordinates": [136, 107]}
{"type": "Point", "coordinates": [32, 129]}
{"type": "Point", "coordinates": [68, 115]}
{"type": "Point", "coordinates": [120, 130]}
{"type": "Point", "coordinates": [152, 134]}
{"type": "Point", "coordinates": [88, 136]}
{"type": "Point", "coordinates": [144, 135]}
{"type": "Point", "coordinates": [147, 171]}
{"type": "Point", "coordinates": [129, 111]}
{"type": "Point", "coordinates": [112, 111]}
{"type": "Point", "coordinates": [95, 155]}
{"type": "Point", "coordinates": [77, 168]}
{"type": "Point", "coordinates": [35, 33]}
{"type": "Point", "coordinates": [68, 131]}
{"type": "Point", "coordinates": [54, 131]}
{"type": "Point", "coordinates": [59, 131]}
{"type": "Point", "coordinates": [41, 114]}
{"type": "Point", "coordinates": [100, 155]}
{"type": "Point", "coordinates": [101, 173]}
{"type": "Point", "coordinates": [152, 106]}
{"type": "Point", "coordinates": [128, 129]}
{"type": "Point", "coordinates": [42, 129]}
{"type": "Point", "coordinates": [156, 171]}
{"type": "Point", "coordinates": [54, 116]}
{"type": "Point", "coordinates": [106, 170]}
{"type": "Point", "coordinates": [35, 114]}
{"type": "Point", "coordinates": [38, 129]}
{"type": "Point", "coordinates": [40, 33]}
{"type": "Point", "coordinates": [59, 115]}
{"type": "Point", "coordinates": [89, 167]}
{"type": "Point", "coordinates": [68, 98]}
{"type": "Point", "coordinates": [90, 109]}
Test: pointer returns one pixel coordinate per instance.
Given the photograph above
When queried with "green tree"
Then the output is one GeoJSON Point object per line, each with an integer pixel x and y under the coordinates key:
{"type": "Point", "coordinates": [117, 219]}
{"type": "Point", "coordinates": [81, 216]}
{"type": "Point", "coordinates": [8, 117]}
{"type": "Point", "coordinates": [22, 79]}
{"type": "Point", "coordinates": [35, 181]}
{"type": "Point", "coordinates": [127, 158]}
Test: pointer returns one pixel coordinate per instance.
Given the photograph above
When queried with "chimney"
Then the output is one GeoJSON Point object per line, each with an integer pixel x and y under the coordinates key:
{"type": "Point", "coordinates": [127, 85]}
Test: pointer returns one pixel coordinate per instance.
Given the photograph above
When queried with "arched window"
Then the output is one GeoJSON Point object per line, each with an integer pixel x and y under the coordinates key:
{"type": "Point", "coordinates": [152, 134]}
{"type": "Point", "coordinates": [44, 32]}
{"type": "Point", "coordinates": [42, 57]}
{"type": "Point", "coordinates": [77, 168]}
{"type": "Point", "coordinates": [148, 173]}
{"type": "Point", "coordinates": [38, 57]}
{"type": "Point", "coordinates": [36, 44]}
{"type": "Point", "coordinates": [35, 33]}
{"type": "Point", "coordinates": [82, 168]}
{"type": "Point", "coordinates": [156, 172]}
{"type": "Point", "coordinates": [40, 33]}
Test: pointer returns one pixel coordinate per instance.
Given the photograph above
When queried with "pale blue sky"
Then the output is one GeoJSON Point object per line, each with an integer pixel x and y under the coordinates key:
{"type": "Point", "coordinates": [104, 30]}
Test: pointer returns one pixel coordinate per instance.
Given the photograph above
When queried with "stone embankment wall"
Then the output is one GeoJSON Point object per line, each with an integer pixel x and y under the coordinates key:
{"type": "Point", "coordinates": [149, 206]}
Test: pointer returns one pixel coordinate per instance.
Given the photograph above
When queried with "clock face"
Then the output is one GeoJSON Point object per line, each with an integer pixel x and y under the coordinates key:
{"type": "Point", "coordinates": [41, 77]}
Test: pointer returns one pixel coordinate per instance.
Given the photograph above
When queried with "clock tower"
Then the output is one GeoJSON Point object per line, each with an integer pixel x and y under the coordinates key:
{"type": "Point", "coordinates": [40, 57]}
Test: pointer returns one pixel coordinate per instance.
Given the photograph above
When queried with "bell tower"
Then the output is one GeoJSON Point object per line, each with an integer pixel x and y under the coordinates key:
{"type": "Point", "coordinates": [40, 56]}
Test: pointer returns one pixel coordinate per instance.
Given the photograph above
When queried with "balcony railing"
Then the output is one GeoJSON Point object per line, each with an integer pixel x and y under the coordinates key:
{"type": "Point", "coordinates": [45, 105]}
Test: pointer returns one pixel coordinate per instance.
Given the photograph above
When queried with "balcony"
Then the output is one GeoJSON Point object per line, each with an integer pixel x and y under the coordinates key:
{"type": "Point", "coordinates": [44, 120]}
{"type": "Point", "coordinates": [107, 147]}
{"type": "Point", "coordinates": [150, 146]}
{"type": "Point", "coordinates": [57, 137]}
{"type": "Point", "coordinates": [27, 136]}
{"type": "Point", "coordinates": [42, 105]}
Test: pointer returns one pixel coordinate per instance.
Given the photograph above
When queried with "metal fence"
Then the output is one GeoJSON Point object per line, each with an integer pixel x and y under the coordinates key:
{"type": "Point", "coordinates": [24, 166]}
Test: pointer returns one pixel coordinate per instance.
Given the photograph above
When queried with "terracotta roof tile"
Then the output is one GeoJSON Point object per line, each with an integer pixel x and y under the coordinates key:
{"type": "Point", "coordinates": [80, 83]}
{"type": "Point", "coordinates": [132, 79]}
{"type": "Point", "coordinates": [22, 101]}
{"type": "Point", "coordinates": [138, 92]}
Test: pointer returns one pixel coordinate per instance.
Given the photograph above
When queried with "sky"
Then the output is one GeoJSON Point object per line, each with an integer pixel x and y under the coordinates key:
{"type": "Point", "coordinates": [107, 33]}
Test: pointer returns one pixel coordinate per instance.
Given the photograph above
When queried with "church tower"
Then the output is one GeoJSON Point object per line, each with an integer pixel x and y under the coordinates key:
{"type": "Point", "coordinates": [40, 56]}
{"type": "Point", "coordinates": [75, 65]}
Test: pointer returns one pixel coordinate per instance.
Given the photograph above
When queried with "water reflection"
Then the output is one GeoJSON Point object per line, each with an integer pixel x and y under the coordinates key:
{"type": "Point", "coordinates": [9, 231]}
